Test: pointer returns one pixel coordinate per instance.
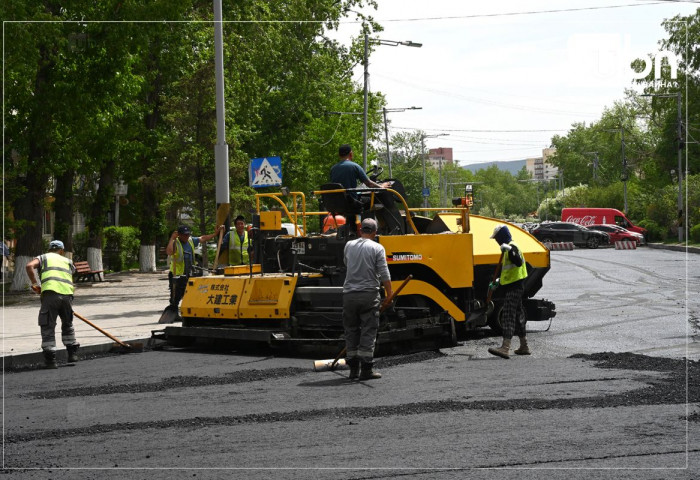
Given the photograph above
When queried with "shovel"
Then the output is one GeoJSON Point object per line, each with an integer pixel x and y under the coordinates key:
{"type": "Point", "coordinates": [125, 346]}
{"type": "Point", "coordinates": [330, 365]}
{"type": "Point", "coordinates": [488, 307]}
{"type": "Point", "coordinates": [171, 314]}
{"type": "Point", "coordinates": [218, 249]}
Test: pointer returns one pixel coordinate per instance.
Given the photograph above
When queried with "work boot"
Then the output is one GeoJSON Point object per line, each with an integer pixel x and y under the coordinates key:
{"type": "Point", "coordinates": [72, 351]}
{"type": "Point", "coordinates": [523, 350]}
{"type": "Point", "coordinates": [367, 373]}
{"type": "Point", "coordinates": [502, 351]}
{"type": "Point", "coordinates": [354, 364]}
{"type": "Point", "coordinates": [50, 359]}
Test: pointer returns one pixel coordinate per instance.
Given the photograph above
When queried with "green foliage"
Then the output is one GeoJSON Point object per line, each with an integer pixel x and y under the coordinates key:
{"type": "Point", "coordinates": [694, 234]}
{"type": "Point", "coordinates": [121, 247]}
{"type": "Point", "coordinates": [692, 191]}
{"type": "Point", "coordinates": [655, 232]}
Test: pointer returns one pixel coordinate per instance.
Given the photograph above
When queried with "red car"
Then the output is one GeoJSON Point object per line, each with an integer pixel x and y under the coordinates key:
{"type": "Point", "coordinates": [617, 233]}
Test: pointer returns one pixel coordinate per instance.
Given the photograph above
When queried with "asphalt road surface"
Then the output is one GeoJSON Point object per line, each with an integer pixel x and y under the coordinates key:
{"type": "Point", "coordinates": [607, 393]}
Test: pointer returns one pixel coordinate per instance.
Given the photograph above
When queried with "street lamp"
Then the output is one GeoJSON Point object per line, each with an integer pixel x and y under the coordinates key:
{"type": "Point", "coordinates": [376, 41]}
{"type": "Point", "coordinates": [680, 147]}
{"type": "Point", "coordinates": [386, 131]}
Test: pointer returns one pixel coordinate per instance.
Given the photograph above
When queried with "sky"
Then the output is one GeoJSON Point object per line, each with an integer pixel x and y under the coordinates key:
{"type": "Point", "coordinates": [494, 84]}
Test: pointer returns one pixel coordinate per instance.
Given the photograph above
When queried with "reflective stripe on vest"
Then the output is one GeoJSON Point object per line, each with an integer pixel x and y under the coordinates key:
{"type": "Point", "coordinates": [177, 266]}
{"type": "Point", "coordinates": [237, 250]}
{"type": "Point", "coordinates": [510, 272]}
{"type": "Point", "coordinates": [56, 274]}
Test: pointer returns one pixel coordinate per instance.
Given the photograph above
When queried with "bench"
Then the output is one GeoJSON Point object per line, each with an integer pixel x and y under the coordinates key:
{"type": "Point", "coordinates": [83, 272]}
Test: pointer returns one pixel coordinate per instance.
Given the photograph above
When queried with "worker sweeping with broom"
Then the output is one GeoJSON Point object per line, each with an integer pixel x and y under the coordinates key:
{"type": "Point", "coordinates": [511, 282]}
{"type": "Point", "coordinates": [56, 289]}
{"type": "Point", "coordinates": [365, 260]}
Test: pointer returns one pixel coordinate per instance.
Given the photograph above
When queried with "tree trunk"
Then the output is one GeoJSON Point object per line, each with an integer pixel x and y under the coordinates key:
{"type": "Point", "coordinates": [147, 258]}
{"type": "Point", "coordinates": [94, 258]}
{"type": "Point", "coordinates": [29, 208]}
{"type": "Point", "coordinates": [150, 221]}
{"type": "Point", "coordinates": [150, 206]}
{"type": "Point", "coordinates": [63, 207]}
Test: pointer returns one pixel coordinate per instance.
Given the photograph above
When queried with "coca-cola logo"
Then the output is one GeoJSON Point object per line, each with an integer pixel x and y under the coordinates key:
{"type": "Point", "coordinates": [585, 221]}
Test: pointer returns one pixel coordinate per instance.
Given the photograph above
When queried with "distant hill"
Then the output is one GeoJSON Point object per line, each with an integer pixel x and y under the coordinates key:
{"type": "Point", "coordinates": [513, 166]}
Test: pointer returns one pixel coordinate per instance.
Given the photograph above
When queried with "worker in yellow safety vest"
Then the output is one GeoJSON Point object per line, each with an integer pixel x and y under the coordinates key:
{"type": "Point", "coordinates": [512, 284]}
{"type": "Point", "coordinates": [181, 250]}
{"type": "Point", "coordinates": [238, 243]}
{"type": "Point", "coordinates": [56, 289]}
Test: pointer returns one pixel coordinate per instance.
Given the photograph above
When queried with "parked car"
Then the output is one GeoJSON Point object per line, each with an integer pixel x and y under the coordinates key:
{"type": "Point", "coordinates": [617, 233]}
{"type": "Point", "coordinates": [570, 232]}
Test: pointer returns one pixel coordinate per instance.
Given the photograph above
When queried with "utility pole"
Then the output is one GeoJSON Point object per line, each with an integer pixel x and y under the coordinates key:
{"type": "Point", "coordinates": [422, 156]}
{"type": "Point", "coordinates": [681, 217]}
{"type": "Point", "coordinates": [365, 104]}
{"type": "Point", "coordinates": [624, 167]}
{"type": "Point", "coordinates": [679, 122]}
{"type": "Point", "coordinates": [221, 173]}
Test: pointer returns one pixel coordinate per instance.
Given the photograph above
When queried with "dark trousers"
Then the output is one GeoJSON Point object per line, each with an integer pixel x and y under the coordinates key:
{"type": "Point", "coordinates": [361, 322]}
{"type": "Point", "coordinates": [54, 305]}
{"type": "Point", "coordinates": [513, 316]}
{"type": "Point", "coordinates": [177, 285]}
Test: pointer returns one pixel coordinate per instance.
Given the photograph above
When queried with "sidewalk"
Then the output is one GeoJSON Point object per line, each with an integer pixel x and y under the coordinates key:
{"type": "Point", "coordinates": [128, 305]}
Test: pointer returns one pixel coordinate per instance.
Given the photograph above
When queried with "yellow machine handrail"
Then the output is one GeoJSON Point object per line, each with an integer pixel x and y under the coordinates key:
{"type": "Point", "coordinates": [295, 216]}
{"type": "Point", "coordinates": [372, 191]}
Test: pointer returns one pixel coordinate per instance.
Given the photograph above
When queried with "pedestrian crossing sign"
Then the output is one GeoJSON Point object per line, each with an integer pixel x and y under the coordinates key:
{"type": "Point", "coordinates": [265, 172]}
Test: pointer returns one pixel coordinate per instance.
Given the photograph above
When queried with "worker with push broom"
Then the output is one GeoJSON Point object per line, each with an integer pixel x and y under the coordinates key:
{"type": "Point", "coordinates": [56, 289]}
{"type": "Point", "coordinates": [511, 282]}
{"type": "Point", "coordinates": [365, 260]}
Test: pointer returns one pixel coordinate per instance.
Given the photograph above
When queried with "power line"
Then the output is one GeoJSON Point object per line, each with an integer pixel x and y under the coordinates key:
{"type": "Point", "coordinates": [487, 131]}
{"type": "Point", "coordinates": [511, 14]}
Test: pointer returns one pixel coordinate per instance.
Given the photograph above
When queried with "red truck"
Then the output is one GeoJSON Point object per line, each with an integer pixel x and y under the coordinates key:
{"type": "Point", "coordinates": [592, 216]}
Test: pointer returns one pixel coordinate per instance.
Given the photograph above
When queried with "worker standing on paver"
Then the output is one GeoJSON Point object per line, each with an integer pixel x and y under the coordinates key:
{"type": "Point", "coordinates": [365, 260]}
{"type": "Point", "coordinates": [511, 282]}
{"type": "Point", "coordinates": [56, 289]}
{"type": "Point", "coordinates": [181, 248]}
{"type": "Point", "coordinates": [238, 243]}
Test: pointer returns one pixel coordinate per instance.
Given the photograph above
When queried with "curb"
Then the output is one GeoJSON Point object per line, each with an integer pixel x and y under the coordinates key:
{"type": "Point", "coordinates": [26, 361]}
{"type": "Point", "coordinates": [675, 248]}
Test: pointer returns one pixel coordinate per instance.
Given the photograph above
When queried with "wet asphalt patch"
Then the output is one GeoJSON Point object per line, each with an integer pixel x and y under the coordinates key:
{"type": "Point", "coordinates": [674, 389]}
{"type": "Point", "coordinates": [243, 376]}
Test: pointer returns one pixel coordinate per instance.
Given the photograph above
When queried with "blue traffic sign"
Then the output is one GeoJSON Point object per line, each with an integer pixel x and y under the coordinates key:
{"type": "Point", "coordinates": [265, 172]}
